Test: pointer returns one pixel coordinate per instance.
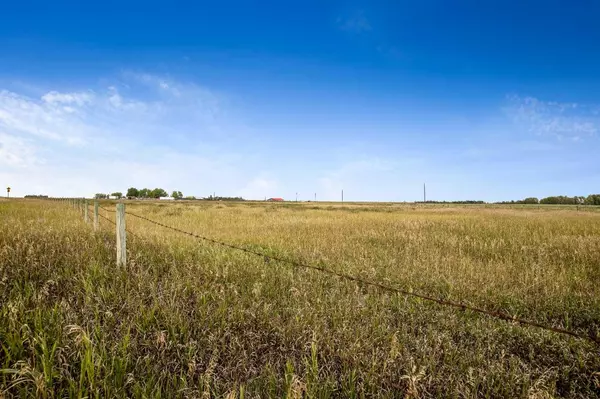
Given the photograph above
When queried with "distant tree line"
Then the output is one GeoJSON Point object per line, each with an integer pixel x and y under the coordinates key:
{"type": "Point", "coordinates": [216, 198]}
{"type": "Point", "coordinates": [454, 202]}
{"type": "Point", "coordinates": [133, 192]}
{"type": "Point", "coordinates": [116, 195]}
{"type": "Point", "coordinates": [592, 199]}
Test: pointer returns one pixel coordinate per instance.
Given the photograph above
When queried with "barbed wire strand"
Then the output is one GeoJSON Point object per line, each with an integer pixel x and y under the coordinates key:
{"type": "Point", "coordinates": [462, 306]}
{"type": "Point", "coordinates": [114, 224]}
{"type": "Point", "coordinates": [107, 219]}
{"type": "Point", "coordinates": [107, 210]}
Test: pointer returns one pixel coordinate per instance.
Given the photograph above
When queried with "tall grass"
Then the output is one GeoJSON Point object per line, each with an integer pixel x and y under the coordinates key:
{"type": "Point", "coordinates": [189, 319]}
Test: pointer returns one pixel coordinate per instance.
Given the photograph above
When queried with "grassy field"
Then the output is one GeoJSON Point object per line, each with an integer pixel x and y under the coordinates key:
{"type": "Point", "coordinates": [188, 318]}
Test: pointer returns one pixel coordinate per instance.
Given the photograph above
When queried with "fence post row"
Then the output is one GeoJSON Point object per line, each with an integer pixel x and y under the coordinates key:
{"type": "Point", "coordinates": [121, 238]}
{"type": "Point", "coordinates": [122, 261]}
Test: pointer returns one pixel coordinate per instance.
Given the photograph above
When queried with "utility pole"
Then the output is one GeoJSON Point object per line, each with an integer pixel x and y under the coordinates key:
{"type": "Point", "coordinates": [8, 192]}
{"type": "Point", "coordinates": [315, 197]}
{"type": "Point", "coordinates": [342, 195]}
{"type": "Point", "coordinates": [296, 197]}
{"type": "Point", "coordinates": [424, 194]}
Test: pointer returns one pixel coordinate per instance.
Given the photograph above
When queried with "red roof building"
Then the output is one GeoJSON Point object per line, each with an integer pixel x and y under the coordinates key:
{"type": "Point", "coordinates": [276, 199]}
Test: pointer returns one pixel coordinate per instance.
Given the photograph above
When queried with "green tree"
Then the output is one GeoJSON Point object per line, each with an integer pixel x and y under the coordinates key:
{"type": "Point", "coordinates": [101, 196]}
{"type": "Point", "coordinates": [133, 192]}
{"type": "Point", "coordinates": [157, 193]}
{"type": "Point", "coordinates": [560, 200]}
{"type": "Point", "coordinates": [592, 199]}
{"type": "Point", "coordinates": [144, 193]}
{"type": "Point", "coordinates": [117, 195]}
{"type": "Point", "coordinates": [177, 195]}
{"type": "Point", "coordinates": [531, 200]}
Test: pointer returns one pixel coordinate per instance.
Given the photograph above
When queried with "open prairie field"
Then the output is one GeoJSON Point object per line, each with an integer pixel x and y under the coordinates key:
{"type": "Point", "coordinates": [190, 318]}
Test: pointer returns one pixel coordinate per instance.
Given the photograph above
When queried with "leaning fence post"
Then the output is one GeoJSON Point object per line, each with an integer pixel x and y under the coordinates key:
{"type": "Point", "coordinates": [121, 238]}
{"type": "Point", "coordinates": [85, 211]}
{"type": "Point", "coordinates": [96, 225]}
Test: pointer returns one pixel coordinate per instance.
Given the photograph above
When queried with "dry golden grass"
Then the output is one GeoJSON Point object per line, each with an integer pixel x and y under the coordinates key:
{"type": "Point", "coordinates": [188, 318]}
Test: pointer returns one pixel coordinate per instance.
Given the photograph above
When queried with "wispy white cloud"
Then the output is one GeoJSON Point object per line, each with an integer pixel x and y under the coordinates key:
{"type": "Point", "coordinates": [355, 23]}
{"type": "Point", "coordinates": [107, 138]}
{"type": "Point", "coordinates": [79, 99]}
{"type": "Point", "coordinates": [559, 119]}
{"type": "Point", "coordinates": [117, 102]}
{"type": "Point", "coordinates": [21, 115]}
{"type": "Point", "coordinates": [16, 152]}
{"type": "Point", "coordinates": [188, 97]}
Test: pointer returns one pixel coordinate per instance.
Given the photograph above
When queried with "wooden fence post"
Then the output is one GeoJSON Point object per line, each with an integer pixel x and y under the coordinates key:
{"type": "Point", "coordinates": [86, 218]}
{"type": "Point", "coordinates": [121, 237]}
{"type": "Point", "coordinates": [96, 224]}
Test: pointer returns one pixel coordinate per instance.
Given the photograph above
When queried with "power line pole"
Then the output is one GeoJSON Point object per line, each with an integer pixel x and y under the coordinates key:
{"type": "Point", "coordinates": [296, 197]}
{"type": "Point", "coordinates": [342, 195]}
{"type": "Point", "coordinates": [424, 193]}
{"type": "Point", "coordinates": [315, 197]}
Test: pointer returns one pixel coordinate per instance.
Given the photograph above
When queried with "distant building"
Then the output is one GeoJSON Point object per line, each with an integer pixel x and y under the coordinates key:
{"type": "Point", "coordinates": [276, 199]}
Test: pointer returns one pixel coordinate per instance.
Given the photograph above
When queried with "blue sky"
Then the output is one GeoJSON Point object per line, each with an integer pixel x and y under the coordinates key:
{"type": "Point", "coordinates": [480, 100]}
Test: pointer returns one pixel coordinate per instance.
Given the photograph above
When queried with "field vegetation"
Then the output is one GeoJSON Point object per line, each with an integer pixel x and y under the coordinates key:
{"type": "Point", "coordinates": [188, 318]}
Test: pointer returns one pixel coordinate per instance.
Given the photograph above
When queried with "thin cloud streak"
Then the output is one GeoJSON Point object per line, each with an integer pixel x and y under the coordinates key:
{"type": "Point", "coordinates": [559, 119]}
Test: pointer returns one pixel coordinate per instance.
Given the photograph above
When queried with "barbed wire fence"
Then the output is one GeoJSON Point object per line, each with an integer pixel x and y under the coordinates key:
{"type": "Point", "coordinates": [83, 206]}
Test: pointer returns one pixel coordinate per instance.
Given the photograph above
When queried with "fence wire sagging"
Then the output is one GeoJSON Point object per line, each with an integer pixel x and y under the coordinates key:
{"type": "Point", "coordinates": [462, 306]}
{"type": "Point", "coordinates": [380, 286]}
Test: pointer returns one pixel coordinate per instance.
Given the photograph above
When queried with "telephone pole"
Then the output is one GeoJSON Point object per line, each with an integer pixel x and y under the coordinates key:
{"type": "Point", "coordinates": [296, 197]}
{"type": "Point", "coordinates": [315, 197]}
{"type": "Point", "coordinates": [342, 195]}
{"type": "Point", "coordinates": [424, 194]}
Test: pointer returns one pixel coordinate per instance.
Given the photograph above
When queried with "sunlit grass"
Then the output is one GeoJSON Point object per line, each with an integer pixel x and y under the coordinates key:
{"type": "Point", "coordinates": [188, 318]}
